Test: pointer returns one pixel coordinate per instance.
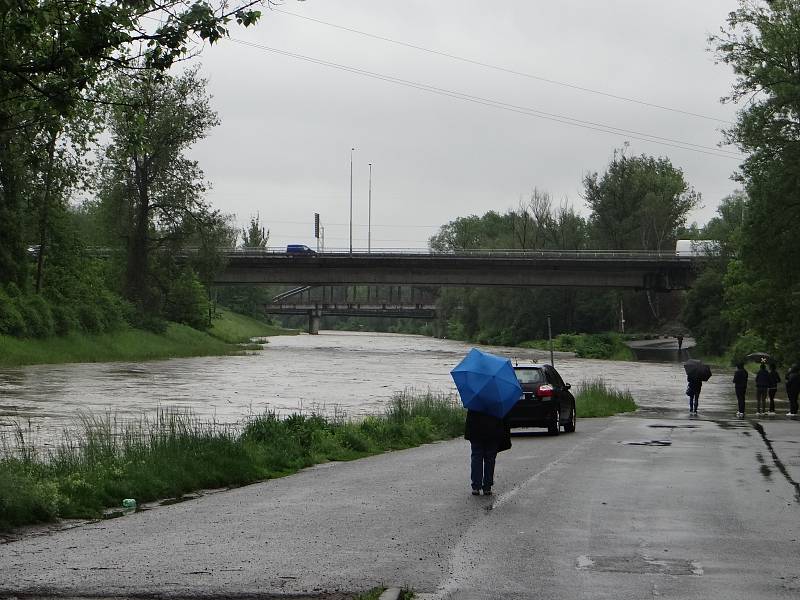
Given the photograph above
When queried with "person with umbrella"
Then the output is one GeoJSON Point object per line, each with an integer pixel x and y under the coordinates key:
{"type": "Point", "coordinates": [488, 388]}
{"type": "Point", "coordinates": [696, 373]}
{"type": "Point", "coordinates": [762, 385]}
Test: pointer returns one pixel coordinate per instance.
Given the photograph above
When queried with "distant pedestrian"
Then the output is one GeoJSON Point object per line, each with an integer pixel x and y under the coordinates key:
{"type": "Point", "coordinates": [680, 342]}
{"type": "Point", "coordinates": [762, 385]}
{"type": "Point", "coordinates": [695, 384]}
{"type": "Point", "coordinates": [487, 436]}
{"type": "Point", "coordinates": [740, 385]}
{"type": "Point", "coordinates": [793, 389]}
{"type": "Point", "coordinates": [774, 380]}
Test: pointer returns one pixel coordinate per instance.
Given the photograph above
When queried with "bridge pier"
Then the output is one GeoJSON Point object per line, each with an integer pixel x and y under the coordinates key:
{"type": "Point", "coordinates": [314, 319]}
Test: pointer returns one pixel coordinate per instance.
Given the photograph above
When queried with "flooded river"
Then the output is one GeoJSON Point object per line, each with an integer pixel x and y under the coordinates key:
{"type": "Point", "coordinates": [331, 373]}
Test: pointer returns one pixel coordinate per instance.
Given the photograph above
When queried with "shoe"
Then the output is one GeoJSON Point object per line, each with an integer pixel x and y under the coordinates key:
{"type": "Point", "coordinates": [740, 415]}
{"type": "Point", "coordinates": [487, 492]}
{"type": "Point", "coordinates": [476, 492]}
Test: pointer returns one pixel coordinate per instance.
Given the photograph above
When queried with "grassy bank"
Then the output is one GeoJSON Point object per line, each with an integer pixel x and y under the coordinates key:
{"type": "Point", "coordinates": [174, 454]}
{"type": "Point", "coordinates": [596, 399]}
{"type": "Point", "coordinates": [136, 344]}
{"type": "Point", "coordinates": [608, 346]}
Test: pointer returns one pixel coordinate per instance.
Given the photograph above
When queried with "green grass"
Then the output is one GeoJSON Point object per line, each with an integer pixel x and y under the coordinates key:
{"type": "Point", "coordinates": [235, 328]}
{"type": "Point", "coordinates": [136, 344]}
{"type": "Point", "coordinates": [609, 346]}
{"type": "Point", "coordinates": [173, 453]}
{"type": "Point", "coordinates": [596, 399]}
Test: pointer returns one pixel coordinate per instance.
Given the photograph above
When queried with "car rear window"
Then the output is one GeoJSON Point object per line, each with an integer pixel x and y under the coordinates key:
{"type": "Point", "coordinates": [530, 375]}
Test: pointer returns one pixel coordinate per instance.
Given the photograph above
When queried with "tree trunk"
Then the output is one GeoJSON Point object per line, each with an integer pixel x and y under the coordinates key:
{"type": "Point", "coordinates": [44, 210]}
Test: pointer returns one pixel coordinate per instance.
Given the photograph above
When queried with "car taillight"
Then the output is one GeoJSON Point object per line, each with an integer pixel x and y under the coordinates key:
{"type": "Point", "coordinates": [545, 391]}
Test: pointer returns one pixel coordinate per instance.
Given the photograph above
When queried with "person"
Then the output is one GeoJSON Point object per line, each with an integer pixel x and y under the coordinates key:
{"type": "Point", "coordinates": [740, 385]}
{"type": "Point", "coordinates": [487, 436]}
{"type": "Point", "coordinates": [693, 391]}
{"type": "Point", "coordinates": [680, 342]}
{"type": "Point", "coordinates": [762, 385]}
{"type": "Point", "coordinates": [793, 389]}
{"type": "Point", "coordinates": [774, 380]}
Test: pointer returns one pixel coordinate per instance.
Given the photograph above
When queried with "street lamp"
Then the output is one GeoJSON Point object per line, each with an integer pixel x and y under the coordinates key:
{"type": "Point", "coordinates": [369, 213]}
{"type": "Point", "coordinates": [351, 199]}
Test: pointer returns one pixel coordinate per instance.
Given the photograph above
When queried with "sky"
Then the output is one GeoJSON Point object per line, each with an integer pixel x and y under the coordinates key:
{"type": "Point", "coordinates": [283, 148]}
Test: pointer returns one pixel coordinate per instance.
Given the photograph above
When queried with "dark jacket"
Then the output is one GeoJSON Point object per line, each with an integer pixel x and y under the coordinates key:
{"type": "Point", "coordinates": [762, 378]}
{"type": "Point", "coordinates": [695, 385]}
{"type": "Point", "coordinates": [774, 380]}
{"type": "Point", "coordinates": [740, 378]}
{"type": "Point", "coordinates": [480, 427]}
{"type": "Point", "coordinates": [792, 384]}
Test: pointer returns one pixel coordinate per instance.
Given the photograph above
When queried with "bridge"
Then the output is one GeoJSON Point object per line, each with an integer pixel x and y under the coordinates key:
{"type": "Point", "coordinates": [534, 268]}
{"type": "Point", "coordinates": [355, 301]}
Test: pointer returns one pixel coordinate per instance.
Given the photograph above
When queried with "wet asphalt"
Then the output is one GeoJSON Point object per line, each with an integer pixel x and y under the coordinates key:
{"type": "Point", "coordinates": [646, 506]}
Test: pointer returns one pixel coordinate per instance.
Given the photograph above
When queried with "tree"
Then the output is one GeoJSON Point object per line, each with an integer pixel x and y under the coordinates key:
{"type": "Point", "coordinates": [255, 235]}
{"type": "Point", "coordinates": [638, 203]}
{"type": "Point", "coordinates": [155, 190]}
{"type": "Point", "coordinates": [53, 52]}
{"type": "Point", "coordinates": [760, 42]}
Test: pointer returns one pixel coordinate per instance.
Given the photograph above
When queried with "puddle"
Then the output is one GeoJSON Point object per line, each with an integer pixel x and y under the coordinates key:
{"type": "Point", "coordinates": [648, 443]}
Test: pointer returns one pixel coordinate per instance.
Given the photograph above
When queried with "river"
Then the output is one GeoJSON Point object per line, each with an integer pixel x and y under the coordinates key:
{"type": "Point", "coordinates": [350, 373]}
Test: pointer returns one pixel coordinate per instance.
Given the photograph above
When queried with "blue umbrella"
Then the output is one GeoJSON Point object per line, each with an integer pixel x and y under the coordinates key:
{"type": "Point", "coordinates": [487, 383]}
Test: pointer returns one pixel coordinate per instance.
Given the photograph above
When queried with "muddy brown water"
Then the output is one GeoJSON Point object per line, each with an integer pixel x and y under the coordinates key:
{"type": "Point", "coordinates": [333, 373]}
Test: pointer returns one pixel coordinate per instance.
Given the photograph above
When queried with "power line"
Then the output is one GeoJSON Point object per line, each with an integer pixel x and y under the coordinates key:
{"type": "Point", "coordinates": [505, 69]}
{"type": "Point", "coordinates": [600, 127]}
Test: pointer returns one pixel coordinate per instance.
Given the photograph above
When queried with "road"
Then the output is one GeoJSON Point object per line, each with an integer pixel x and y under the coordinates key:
{"type": "Point", "coordinates": [656, 505]}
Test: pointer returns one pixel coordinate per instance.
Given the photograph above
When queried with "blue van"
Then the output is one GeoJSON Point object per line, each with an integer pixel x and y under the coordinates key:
{"type": "Point", "coordinates": [299, 249]}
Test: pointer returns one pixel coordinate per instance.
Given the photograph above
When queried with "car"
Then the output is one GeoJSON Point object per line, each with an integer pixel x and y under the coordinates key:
{"type": "Point", "coordinates": [299, 249]}
{"type": "Point", "coordinates": [545, 402]}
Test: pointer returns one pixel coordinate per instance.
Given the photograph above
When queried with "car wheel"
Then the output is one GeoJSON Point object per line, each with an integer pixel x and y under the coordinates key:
{"type": "Point", "coordinates": [569, 426]}
{"type": "Point", "coordinates": [554, 428]}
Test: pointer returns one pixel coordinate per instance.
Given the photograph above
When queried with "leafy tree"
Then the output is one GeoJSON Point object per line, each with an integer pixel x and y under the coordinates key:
{"type": "Point", "coordinates": [255, 235]}
{"type": "Point", "coordinates": [638, 203]}
{"type": "Point", "coordinates": [760, 42]}
{"type": "Point", "coordinates": [155, 191]}
{"type": "Point", "coordinates": [52, 53]}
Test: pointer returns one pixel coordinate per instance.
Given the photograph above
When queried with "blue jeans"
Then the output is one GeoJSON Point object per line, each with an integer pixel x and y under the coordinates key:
{"type": "Point", "coordinates": [483, 457]}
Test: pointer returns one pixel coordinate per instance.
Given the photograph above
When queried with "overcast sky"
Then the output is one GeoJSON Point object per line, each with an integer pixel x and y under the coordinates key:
{"type": "Point", "coordinates": [283, 147]}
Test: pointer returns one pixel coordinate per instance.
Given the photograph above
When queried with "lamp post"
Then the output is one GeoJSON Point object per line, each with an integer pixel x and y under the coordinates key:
{"type": "Point", "coordinates": [351, 199]}
{"type": "Point", "coordinates": [369, 213]}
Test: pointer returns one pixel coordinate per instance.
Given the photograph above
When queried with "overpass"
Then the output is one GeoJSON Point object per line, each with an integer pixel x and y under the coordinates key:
{"type": "Point", "coordinates": [353, 301]}
{"type": "Point", "coordinates": [533, 268]}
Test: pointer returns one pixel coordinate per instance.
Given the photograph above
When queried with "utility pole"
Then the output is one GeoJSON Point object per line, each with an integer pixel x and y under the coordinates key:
{"type": "Point", "coordinates": [550, 337]}
{"type": "Point", "coordinates": [351, 199]}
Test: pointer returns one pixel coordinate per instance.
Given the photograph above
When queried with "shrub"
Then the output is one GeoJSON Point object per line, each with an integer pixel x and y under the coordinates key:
{"type": "Point", "coordinates": [745, 344]}
{"type": "Point", "coordinates": [11, 320]}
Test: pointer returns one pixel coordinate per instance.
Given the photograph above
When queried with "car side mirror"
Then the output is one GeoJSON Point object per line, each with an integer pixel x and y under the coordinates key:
{"type": "Point", "coordinates": [567, 386]}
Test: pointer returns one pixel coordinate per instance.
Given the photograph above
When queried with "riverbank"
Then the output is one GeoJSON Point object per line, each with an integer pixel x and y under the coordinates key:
{"type": "Point", "coordinates": [172, 453]}
{"type": "Point", "coordinates": [129, 344]}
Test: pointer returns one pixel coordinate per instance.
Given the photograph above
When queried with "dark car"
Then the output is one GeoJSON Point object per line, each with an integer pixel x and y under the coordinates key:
{"type": "Point", "coordinates": [299, 249]}
{"type": "Point", "coordinates": [546, 400]}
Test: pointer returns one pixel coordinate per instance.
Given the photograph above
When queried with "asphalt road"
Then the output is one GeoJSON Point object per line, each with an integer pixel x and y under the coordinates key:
{"type": "Point", "coordinates": [627, 507]}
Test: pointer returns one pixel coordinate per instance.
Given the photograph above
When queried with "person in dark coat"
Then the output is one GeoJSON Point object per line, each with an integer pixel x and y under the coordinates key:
{"type": "Point", "coordinates": [774, 380]}
{"type": "Point", "coordinates": [487, 436]}
{"type": "Point", "coordinates": [762, 385]}
{"type": "Point", "coordinates": [695, 384]}
{"type": "Point", "coordinates": [793, 389]}
{"type": "Point", "coordinates": [740, 385]}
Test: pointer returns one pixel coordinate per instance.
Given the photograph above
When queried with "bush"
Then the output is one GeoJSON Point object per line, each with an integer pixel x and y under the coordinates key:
{"type": "Point", "coordinates": [187, 302]}
{"type": "Point", "coordinates": [745, 344]}
{"type": "Point", "coordinates": [37, 315]}
{"type": "Point", "coordinates": [11, 319]}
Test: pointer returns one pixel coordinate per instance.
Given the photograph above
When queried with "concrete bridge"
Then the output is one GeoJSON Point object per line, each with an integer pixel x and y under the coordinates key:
{"type": "Point", "coordinates": [540, 268]}
{"type": "Point", "coordinates": [355, 301]}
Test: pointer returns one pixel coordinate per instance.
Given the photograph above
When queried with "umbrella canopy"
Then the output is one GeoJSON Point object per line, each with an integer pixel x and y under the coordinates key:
{"type": "Point", "coordinates": [487, 383]}
{"type": "Point", "coordinates": [697, 369]}
{"type": "Point", "coordinates": [758, 356]}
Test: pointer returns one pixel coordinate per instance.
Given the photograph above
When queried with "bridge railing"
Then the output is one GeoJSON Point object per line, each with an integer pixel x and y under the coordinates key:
{"type": "Point", "coordinates": [478, 253]}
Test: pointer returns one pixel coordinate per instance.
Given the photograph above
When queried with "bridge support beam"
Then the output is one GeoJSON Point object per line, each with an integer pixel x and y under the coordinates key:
{"type": "Point", "coordinates": [314, 319]}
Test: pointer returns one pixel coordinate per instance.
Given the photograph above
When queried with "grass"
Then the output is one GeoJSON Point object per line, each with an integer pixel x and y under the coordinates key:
{"type": "Point", "coordinates": [608, 346]}
{"type": "Point", "coordinates": [136, 344]}
{"type": "Point", "coordinates": [596, 399]}
{"type": "Point", "coordinates": [375, 593]}
{"type": "Point", "coordinates": [235, 328]}
{"type": "Point", "coordinates": [173, 453]}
